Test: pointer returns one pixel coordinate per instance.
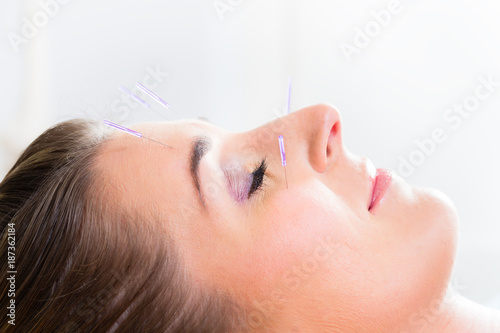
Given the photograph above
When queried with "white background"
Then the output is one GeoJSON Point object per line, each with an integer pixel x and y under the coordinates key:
{"type": "Point", "coordinates": [232, 67]}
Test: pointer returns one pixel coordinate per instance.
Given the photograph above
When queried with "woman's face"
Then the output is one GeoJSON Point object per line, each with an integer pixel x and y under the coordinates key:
{"type": "Point", "coordinates": [315, 252]}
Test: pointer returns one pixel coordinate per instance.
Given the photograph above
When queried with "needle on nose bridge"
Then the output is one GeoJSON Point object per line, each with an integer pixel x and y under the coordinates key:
{"type": "Point", "coordinates": [288, 95]}
{"type": "Point", "coordinates": [280, 138]}
{"type": "Point", "coordinates": [283, 157]}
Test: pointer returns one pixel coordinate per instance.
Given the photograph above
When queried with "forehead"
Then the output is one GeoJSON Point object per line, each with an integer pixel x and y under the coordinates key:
{"type": "Point", "coordinates": [150, 177]}
{"type": "Point", "coordinates": [172, 131]}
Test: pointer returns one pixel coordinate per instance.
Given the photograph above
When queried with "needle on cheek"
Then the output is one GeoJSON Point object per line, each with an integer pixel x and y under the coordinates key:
{"type": "Point", "coordinates": [132, 132]}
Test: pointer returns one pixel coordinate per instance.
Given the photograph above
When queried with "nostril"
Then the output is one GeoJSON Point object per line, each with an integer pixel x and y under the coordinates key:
{"type": "Point", "coordinates": [331, 137]}
{"type": "Point", "coordinates": [325, 136]}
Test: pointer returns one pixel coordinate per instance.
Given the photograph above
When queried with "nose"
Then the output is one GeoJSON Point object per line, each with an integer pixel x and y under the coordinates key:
{"type": "Point", "coordinates": [319, 128]}
{"type": "Point", "coordinates": [313, 132]}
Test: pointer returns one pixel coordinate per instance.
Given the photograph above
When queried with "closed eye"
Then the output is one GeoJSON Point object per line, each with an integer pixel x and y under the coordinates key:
{"type": "Point", "coordinates": [258, 176]}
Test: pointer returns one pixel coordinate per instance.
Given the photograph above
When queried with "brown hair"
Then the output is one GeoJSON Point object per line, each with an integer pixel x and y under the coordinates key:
{"type": "Point", "coordinates": [85, 264]}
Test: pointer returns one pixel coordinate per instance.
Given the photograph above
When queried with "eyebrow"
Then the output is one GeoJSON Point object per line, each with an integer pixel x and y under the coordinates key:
{"type": "Point", "coordinates": [200, 146]}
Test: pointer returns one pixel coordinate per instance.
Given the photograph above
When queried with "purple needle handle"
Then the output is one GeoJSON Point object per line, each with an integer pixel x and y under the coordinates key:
{"type": "Point", "coordinates": [132, 95]}
{"type": "Point", "coordinates": [152, 95]}
{"type": "Point", "coordinates": [123, 129]}
{"type": "Point", "coordinates": [282, 150]}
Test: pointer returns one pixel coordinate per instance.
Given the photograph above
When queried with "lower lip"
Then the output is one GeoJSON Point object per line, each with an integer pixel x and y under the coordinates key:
{"type": "Point", "coordinates": [382, 183]}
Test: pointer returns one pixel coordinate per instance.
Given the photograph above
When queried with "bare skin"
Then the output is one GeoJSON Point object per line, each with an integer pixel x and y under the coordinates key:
{"type": "Point", "coordinates": [310, 258]}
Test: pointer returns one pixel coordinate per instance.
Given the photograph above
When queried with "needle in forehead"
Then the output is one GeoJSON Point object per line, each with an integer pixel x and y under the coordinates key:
{"type": "Point", "coordinates": [132, 132]}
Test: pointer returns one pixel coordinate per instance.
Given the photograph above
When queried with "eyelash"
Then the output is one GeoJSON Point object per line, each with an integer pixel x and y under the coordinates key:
{"type": "Point", "coordinates": [259, 176]}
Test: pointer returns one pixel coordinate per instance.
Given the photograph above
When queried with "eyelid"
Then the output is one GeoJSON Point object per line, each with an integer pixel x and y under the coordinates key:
{"type": "Point", "coordinates": [240, 181]}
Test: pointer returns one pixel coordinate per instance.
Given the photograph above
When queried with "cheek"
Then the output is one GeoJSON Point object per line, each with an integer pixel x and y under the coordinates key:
{"type": "Point", "coordinates": [433, 239]}
{"type": "Point", "coordinates": [299, 234]}
{"type": "Point", "coordinates": [405, 258]}
{"type": "Point", "coordinates": [425, 228]}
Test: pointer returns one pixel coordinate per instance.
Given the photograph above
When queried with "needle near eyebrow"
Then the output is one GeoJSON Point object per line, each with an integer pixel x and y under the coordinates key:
{"type": "Point", "coordinates": [283, 157]}
{"type": "Point", "coordinates": [132, 132]}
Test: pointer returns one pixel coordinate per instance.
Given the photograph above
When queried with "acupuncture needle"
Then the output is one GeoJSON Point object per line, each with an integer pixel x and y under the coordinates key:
{"type": "Point", "coordinates": [289, 93]}
{"type": "Point", "coordinates": [155, 97]}
{"type": "Point", "coordinates": [280, 138]}
{"type": "Point", "coordinates": [133, 96]}
{"type": "Point", "coordinates": [132, 132]}
{"type": "Point", "coordinates": [152, 95]}
{"type": "Point", "coordinates": [283, 157]}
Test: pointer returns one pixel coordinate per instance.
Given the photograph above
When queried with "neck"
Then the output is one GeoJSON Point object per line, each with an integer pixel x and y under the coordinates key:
{"type": "Point", "coordinates": [453, 314]}
{"type": "Point", "coordinates": [458, 314]}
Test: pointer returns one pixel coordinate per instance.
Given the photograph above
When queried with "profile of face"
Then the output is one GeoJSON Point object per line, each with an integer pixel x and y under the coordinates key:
{"type": "Point", "coordinates": [343, 246]}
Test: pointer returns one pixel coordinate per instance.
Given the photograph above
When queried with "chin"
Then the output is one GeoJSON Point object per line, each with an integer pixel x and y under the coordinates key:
{"type": "Point", "coordinates": [440, 207]}
{"type": "Point", "coordinates": [427, 249]}
{"type": "Point", "coordinates": [440, 231]}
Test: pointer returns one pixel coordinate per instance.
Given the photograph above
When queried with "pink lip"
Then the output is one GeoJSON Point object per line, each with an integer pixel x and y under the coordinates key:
{"type": "Point", "coordinates": [381, 183]}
